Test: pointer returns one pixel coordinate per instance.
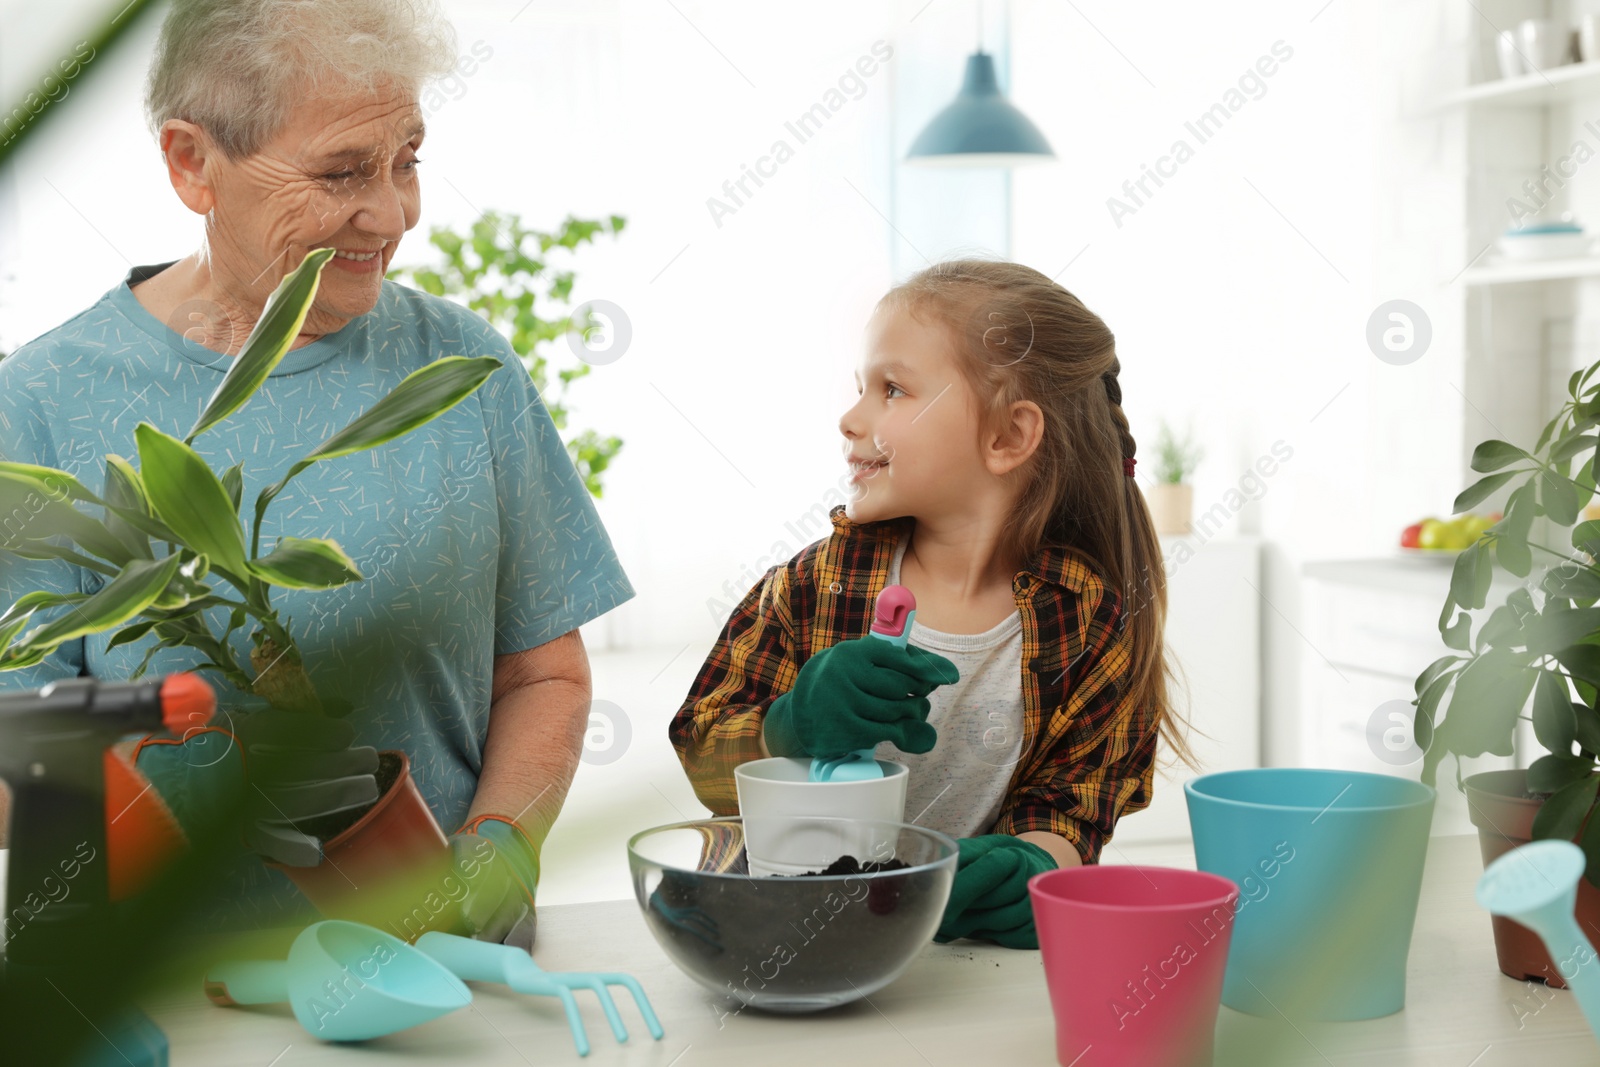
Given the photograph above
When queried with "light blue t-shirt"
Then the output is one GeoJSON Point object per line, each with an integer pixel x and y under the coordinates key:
{"type": "Point", "coordinates": [475, 533]}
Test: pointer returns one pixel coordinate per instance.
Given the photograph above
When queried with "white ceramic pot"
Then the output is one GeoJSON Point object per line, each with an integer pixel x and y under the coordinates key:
{"type": "Point", "coordinates": [775, 793]}
{"type": "Point", "coordinates": [1171, 507]}
{"type": "Point", "coordinates": [1505, 51]}
{"type": "Point", "coordinates": [1589, 38]}
{"type": "Point", "coordinates": [1544, 43]}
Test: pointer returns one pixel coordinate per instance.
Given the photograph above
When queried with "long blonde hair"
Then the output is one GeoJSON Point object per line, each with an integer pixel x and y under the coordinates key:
{"type": "Point", "coordinates": [1020, 336]}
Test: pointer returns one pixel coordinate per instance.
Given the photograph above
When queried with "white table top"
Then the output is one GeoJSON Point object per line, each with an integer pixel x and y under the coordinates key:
{"type": "Point", "coordinates": [962, 1004]}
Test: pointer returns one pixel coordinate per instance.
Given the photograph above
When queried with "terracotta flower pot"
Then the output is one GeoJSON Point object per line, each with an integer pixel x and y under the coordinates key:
{"type": "Point", "coordinates": [1504, 815]}
{"type": "Point", "coordinates": [1171, 507]}
{"type": "Point", "coordinates": [391, 868]}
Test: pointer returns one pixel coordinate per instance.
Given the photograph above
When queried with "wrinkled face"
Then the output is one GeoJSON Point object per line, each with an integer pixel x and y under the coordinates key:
{"type": "Point", "coordinates": [912, 438]}
{"type": "Point", "coordinates": [342, 174]}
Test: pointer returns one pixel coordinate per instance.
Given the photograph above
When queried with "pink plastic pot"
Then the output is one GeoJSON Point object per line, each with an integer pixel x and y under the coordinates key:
{"type": "Point", "coordinates": [1134, 957]}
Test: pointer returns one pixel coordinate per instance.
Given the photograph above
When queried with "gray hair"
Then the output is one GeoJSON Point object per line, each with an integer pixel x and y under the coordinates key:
{"type": "Point", "coordinates": [236, 68]}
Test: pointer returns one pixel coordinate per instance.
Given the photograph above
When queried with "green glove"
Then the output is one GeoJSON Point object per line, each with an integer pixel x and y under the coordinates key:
{"type": "Point", "coordinates": [855, 694]}
{"type": "Point", "coordinates": [300, 766]}
{"type": "Point", "coordinates": [283, 766]}
{"type": "Point", "coordinates": [989, 901]}
{"type": "Point", "coordinates": [501, 869]}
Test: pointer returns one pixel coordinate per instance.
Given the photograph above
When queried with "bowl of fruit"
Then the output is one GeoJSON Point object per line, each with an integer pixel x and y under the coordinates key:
{"type": "Point", "coordinates": [1444, 537]}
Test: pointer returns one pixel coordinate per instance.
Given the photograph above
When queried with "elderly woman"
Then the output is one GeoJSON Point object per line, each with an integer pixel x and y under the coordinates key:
{"type": "Point", "coordinates": [290, 125]}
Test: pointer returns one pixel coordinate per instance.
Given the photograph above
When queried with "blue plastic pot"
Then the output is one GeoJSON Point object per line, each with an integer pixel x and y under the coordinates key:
{"type": "Point", "coordinates": [1329, 866]}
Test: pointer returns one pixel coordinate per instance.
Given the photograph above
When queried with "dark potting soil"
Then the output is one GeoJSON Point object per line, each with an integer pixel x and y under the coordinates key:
{"type": "Point", "coordinates": [851, 865]}
{"type": "Point", "coordinates": [795, 935]}
{"type": "Point", "coordinates": [327, 827]}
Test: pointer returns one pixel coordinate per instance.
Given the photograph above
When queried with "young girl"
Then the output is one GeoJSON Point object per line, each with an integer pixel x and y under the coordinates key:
{"type": "Point", "coordinates": [993, 477]}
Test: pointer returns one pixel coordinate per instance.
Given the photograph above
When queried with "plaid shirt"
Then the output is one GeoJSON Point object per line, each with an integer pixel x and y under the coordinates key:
{"type": "Point", "coordinates": [1088, 749]}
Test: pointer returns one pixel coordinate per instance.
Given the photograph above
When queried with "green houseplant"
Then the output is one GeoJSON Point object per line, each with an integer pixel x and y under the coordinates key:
{"type": "Point", "coordinates": [1171, 499]}
{"type": "Point", "coordinates": [1538, 651]}
{"type": "Point", "coordinates": [505, 272]}
{"type": "Point", "coordinates": [168, 538]}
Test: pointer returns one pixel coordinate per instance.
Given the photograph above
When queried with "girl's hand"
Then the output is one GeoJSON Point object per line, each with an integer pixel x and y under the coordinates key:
{"type": "Point", "coordinates": [856, 694]}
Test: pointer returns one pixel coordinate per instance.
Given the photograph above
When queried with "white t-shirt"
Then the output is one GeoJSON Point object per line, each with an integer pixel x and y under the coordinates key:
{"type": "Point", "coordinates": [958, 787]}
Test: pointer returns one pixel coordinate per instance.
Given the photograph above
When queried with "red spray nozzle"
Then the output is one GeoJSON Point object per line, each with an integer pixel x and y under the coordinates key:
{"type": "Point", "coordinates": [187, 702]}
{"type": "Point", "coordinates": [893, 610]}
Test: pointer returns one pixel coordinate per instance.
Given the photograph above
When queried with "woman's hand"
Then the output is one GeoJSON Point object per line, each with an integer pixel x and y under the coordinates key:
{"type": "Point", "coordinates": [855, 694]}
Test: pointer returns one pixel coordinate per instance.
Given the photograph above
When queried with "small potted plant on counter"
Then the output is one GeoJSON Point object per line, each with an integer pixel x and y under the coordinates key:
{"type": "Point", "coordinates": [1538, 652]}
{"type": "Point", "coordinates": [1171, 499]}
{"type": "Point", "coordinates": [168, 538]}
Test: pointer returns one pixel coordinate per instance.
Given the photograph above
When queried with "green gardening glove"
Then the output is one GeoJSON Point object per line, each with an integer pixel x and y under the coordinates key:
{"type": "Point", "coordinates": [501, 869]}
{"type": "Point", "coordinates": [989, 901]}
{"type": "Point", "coordinates": [855, 694]}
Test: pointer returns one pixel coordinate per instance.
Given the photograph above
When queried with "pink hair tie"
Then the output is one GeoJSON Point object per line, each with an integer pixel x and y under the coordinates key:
{"type": "Point", "coordinates": [1127, 466]}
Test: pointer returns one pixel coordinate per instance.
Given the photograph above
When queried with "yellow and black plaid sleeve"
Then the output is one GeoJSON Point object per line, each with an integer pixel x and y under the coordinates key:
{"type": "Point", "coordinates": [718, 725]}
{"type": "Point", "coordinates": [1095, 756]}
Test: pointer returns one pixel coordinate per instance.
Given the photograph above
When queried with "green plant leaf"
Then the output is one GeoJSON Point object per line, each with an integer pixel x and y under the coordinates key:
{"type": "Point", "coordinates": [1572, 581]}
{"type": "Point", "coordinates": [1568, 447]}
{"type": "Point", "coordinates": [233, 482]}
{"type": "Point", "coordinates": [135, 589]}
{"type": "Point", "coordinates": [1427, 703]}
{"type": "Point", "coordinates": [273, 333]}
{"type": "Point", "coordinates": [129, 634]}
{"type": "Point", "coordinates": [1549, 774]}
{"type": "Point", "coordinates": [124, 491]}
{"type": "Point", "coordinates": [1492, 455]}
{"type": "Point", "coordinates": [1458, 635]}
{"type": "Point", "coordinates": [299, 563]}
{"type": "Point", "coordinates": [46, 550]}
{"type": "Point", "coordinates": [31, 513]}
{"type": "Point", "coordinates": [189, 498]}
{"type": "Point", "coordinates": [422, 396]}
{"type": "Point", "coordinates": [1553, 723]}
{"type": "Point", "coordinates": [1479, 490]}
{"type": "Point", "coordinates": [1582, 661]}
{"type": "Point", "coordinates": [1432, 671]}
{"type": "Point", "coordinates": [17, 616]}
{"type": "Point", "coordinates": [1504, 628]}
{"type": "Point", "coordinates": [1561, 817]}
{"type": "Point", "coordinates": [1586, 722]}
{"type": "Point", "coordinates": [1488, 697]}
{"type": "Point", "coordinates": [57, 483]}
{"type": "Point", "coordinates": [1470, 579]}
{"type": "Point", "coordinates": [1559, 498]}
{"type": "Point", "coordinates": [1586, 537]}
{"type": "Point", "coordinates": [1553, 630]}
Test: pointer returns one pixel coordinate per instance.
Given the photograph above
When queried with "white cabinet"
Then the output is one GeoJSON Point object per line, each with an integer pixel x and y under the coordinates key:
{"type": "Point", "coordinates": [1214, 632]}
{"type": "Point", "coordinates": [1371, 626]}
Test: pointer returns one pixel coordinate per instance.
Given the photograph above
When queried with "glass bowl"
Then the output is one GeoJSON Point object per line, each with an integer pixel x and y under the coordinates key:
{"type": "Point", "coordinates": [788, 943]}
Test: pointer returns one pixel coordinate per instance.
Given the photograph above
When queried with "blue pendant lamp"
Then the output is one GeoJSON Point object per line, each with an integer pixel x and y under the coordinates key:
{"type": "Point", "coordinates": [980, 128]}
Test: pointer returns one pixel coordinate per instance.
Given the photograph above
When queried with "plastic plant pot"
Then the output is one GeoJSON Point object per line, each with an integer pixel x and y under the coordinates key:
{"type": "Point", "coordinates": [1134, 957]}
{"type": "Point", "coordinates": [391, 868]}
{"type": "Point", "coordinates": [1503, 811]}
{"type": "Point", "coordinates": [774, 791]}
{"type": "Point", "coordinates": [1329, 868]}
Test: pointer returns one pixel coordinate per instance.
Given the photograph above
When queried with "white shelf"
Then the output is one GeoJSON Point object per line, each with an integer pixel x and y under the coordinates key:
{"type": "Point", "coordinates": [1535, 270]}
{"type": "Point", "coordinates": [1559, 85]}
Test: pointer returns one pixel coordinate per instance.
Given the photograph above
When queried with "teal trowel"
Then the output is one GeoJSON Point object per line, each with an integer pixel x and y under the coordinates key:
{"type": "Point", "coordinates": [891, 621]}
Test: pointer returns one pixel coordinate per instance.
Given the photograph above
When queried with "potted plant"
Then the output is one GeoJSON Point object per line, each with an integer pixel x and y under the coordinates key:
{"type": "Point", "coordinates": [168, 538]}
{"type": "Point", "coordinates": [1539, 650]}
{"type": "Point", "coordinates": [1171, 499]}
{"type": "Point", "coordinates": [503, 270]}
